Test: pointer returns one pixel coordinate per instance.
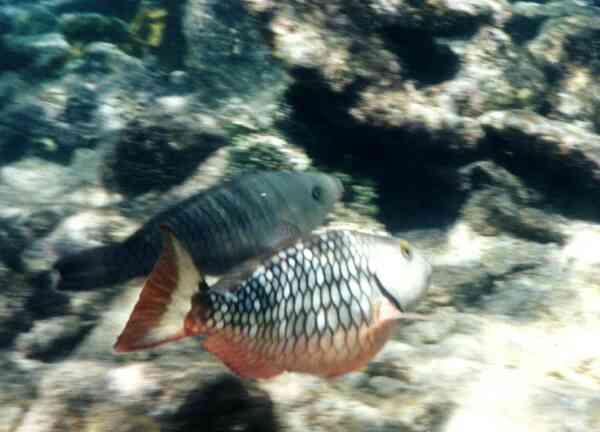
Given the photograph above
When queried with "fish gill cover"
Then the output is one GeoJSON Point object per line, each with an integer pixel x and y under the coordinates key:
{"type": "Point", "coordinates": [468, 127]}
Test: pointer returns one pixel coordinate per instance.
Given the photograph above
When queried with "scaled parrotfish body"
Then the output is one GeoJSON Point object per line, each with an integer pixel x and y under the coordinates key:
{"type": "Point", "coordinates": [241, 219]}
{"type": "Point", "coordinates": [324, 305]}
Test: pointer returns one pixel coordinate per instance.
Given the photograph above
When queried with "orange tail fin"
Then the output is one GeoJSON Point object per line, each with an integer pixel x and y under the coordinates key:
{"type": "Point", "coordinates": [159, 314]}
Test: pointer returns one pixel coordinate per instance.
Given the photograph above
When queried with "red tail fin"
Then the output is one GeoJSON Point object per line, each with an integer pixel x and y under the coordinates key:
{"type": "Point", "coordinates": [158, 316]}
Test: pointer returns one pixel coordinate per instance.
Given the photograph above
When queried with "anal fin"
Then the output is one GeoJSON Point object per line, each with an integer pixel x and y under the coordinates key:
{"type": "Point", "coordinates": [240, 358]}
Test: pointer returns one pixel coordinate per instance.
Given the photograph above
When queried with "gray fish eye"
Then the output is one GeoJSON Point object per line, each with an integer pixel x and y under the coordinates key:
{"type": "Point", "coordinates": [316, 193]}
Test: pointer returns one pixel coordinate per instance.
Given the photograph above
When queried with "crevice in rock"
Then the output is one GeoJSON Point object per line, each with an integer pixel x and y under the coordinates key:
{"type": "Point", "coordinates": [415, 175]}
{"type": "Point", "coordinates": [472, 294]}
{"type": "Point", "coordinates": [584, 49]}
{"type": "Point", "coordinates": [44, 301]}
{"type": "Point", "coordinates": [174, 47]}
{"type": "Point", "coordinates": [61, 348]}
{"type": "Point", "coordinates": [426, 60]}
{"type": "Point", "coordinates": [553, 77]}
{"type": "Point", "coordinates": [523, 29]}
{"type": "Point", "coordinates": [500, 202]}
{"type": "Point", "coordinates": [566, 187]}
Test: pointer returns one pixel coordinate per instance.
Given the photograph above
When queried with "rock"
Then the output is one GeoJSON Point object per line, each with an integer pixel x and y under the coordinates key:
{"type": "Point", "coordinates": [65, 6]}
{"type": "Point", "coordinates": [107, 57]}
{"type": "Point", "coordinates": [560, 42]}
{"type": "Point", "coordinates": [51, 339]}
{"type": "Point", "coordinates": [133, 382]}
{"type": "Point", "coordinates": [51, 122]}
{"type": "Point", "coordinates": [386, 387]}
{"type": "Point", "coordinates": [326, 42]}
{"type": "Point", "coordinates": [34, 180]}
{"type": "Point", "coordinates": [93, 27]}
{"type": "Point", "coordinates": [28, 130]}
{"type": "Point", "coordinates": [14, 316]}
{"type": "Point", "coordinates": [76, 232]}
{"type": "Point", "coordinates": [417, 115]}
{"type": "Point", "coordinates": [500, 75]}
{"type": "Point", "coordinates": [526, 138]}
{"type": "Point", "coordinates": [577, 98]}
{"type": "Point", "coordinates": [528, 17]}
{"type": "Point", "coordinates": [20, 376]}
{"type": "Point", "coordinates": [10, 416]}
{"type": "Point", "coordinates": [21, 229]}
{"type": "Point", "coordinates": [179, 79]}
{"type": "Point", "coordinates": [395, 36]}
{"type": "Point", "coordinates": [565, 47]}
{"type": "Point", "coordinates": [227, 57]}
{"type": "Point", "coordinates": [500, 202]}
{"type": "Point", "coordinates": [38, 53]}
{"type": "Point", "coordinates": [265, 152]}
{"type": "Point", "coordinates": [508, 276]}
{"type": "Point", "coordinates": [541, 293]}
{"type": "Point", "coordinates": [439, 18]}
{"type": "Point", "coordinates": [63, 391]}
{"type": "Point", "coordinates": [11, 87]}
{"type": "Point", "coordinates": [31, 20]}
{"type": "Point", "coordinates": [354, 380]}
{"type": "Point", "coordinates": [158, 154]}
{"type": "Point", "coordinates": [107, 419]}
{"type": "Point", "coordinates": [466, 346]}
{"type": "Point", "coordinates": [431, 331]}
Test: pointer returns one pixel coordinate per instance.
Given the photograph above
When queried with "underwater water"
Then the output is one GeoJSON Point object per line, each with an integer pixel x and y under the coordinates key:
{"type": "Point", "coordinates": [468, 128]}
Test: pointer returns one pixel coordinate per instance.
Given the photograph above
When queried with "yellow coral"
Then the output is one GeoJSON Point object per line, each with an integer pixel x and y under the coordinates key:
{"type": "Point", "coordinates": [155, 34]}
{"type": "Point", "coordinates": [149, 26]}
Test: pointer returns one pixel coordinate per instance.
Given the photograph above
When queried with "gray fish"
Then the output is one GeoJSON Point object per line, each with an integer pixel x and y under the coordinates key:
{"type": "Point", "coordinates": [246, 217]}
{"type": "Point", "coordinates": [324, 305]}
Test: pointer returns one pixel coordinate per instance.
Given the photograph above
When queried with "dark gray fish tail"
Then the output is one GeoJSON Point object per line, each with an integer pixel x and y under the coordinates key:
{"type": "Point", "coordinates": [104, 265]}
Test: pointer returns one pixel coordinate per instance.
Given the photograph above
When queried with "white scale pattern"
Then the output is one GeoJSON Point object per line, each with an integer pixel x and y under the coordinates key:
{"type": "Point", "coordinates": [302, 292]}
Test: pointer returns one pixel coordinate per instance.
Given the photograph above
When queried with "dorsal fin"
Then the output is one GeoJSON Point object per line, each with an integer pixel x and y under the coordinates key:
{"type": "Point", "coordinates": [165, 300]}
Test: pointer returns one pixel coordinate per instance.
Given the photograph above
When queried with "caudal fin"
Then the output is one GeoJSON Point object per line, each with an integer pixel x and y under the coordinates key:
{"type": "Point", "coordinates": [102, 266]}
{"type": "Point", "coordinates": [87, 269]}
{"type": "Point", "coordinates": [159, 314]}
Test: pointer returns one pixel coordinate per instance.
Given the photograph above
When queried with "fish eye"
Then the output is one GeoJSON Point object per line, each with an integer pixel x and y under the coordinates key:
{"type": "Point", "coordinates": [316, 193]}
{"type": "Point", "coordinates": [406, 249]}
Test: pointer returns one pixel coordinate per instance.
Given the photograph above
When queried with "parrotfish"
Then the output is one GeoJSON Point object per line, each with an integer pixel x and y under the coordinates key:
{"type": "Point", "coordinates": [249, 216]}
{"type": "Point", "coordinates": [324, 305]}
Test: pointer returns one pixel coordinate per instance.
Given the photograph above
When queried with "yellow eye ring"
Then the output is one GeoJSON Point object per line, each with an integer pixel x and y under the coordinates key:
{"type": "Point", "coordinates": [406, 249]}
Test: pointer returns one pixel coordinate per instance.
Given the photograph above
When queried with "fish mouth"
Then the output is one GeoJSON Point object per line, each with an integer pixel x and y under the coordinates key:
{"type": "Point", "coordinates": [389, 296]}
{"type": "Point", "coordinates": [339, 188]}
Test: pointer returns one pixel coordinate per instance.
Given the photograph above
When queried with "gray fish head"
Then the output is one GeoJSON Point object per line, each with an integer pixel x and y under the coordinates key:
{"type": "Point", "coordinates": [321, 192]}
{"type": "Point", "coordinates": [403, 271]}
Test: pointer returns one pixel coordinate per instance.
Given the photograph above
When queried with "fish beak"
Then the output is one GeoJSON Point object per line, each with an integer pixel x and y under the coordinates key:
{"type": "Point", "coordinates": [339, 188]}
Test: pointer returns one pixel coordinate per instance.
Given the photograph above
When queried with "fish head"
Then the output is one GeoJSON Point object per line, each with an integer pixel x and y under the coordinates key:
{"type": "Point", "coordinates": [403, 272]}
{"type": "Point", "coordinates": [320, 191]}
